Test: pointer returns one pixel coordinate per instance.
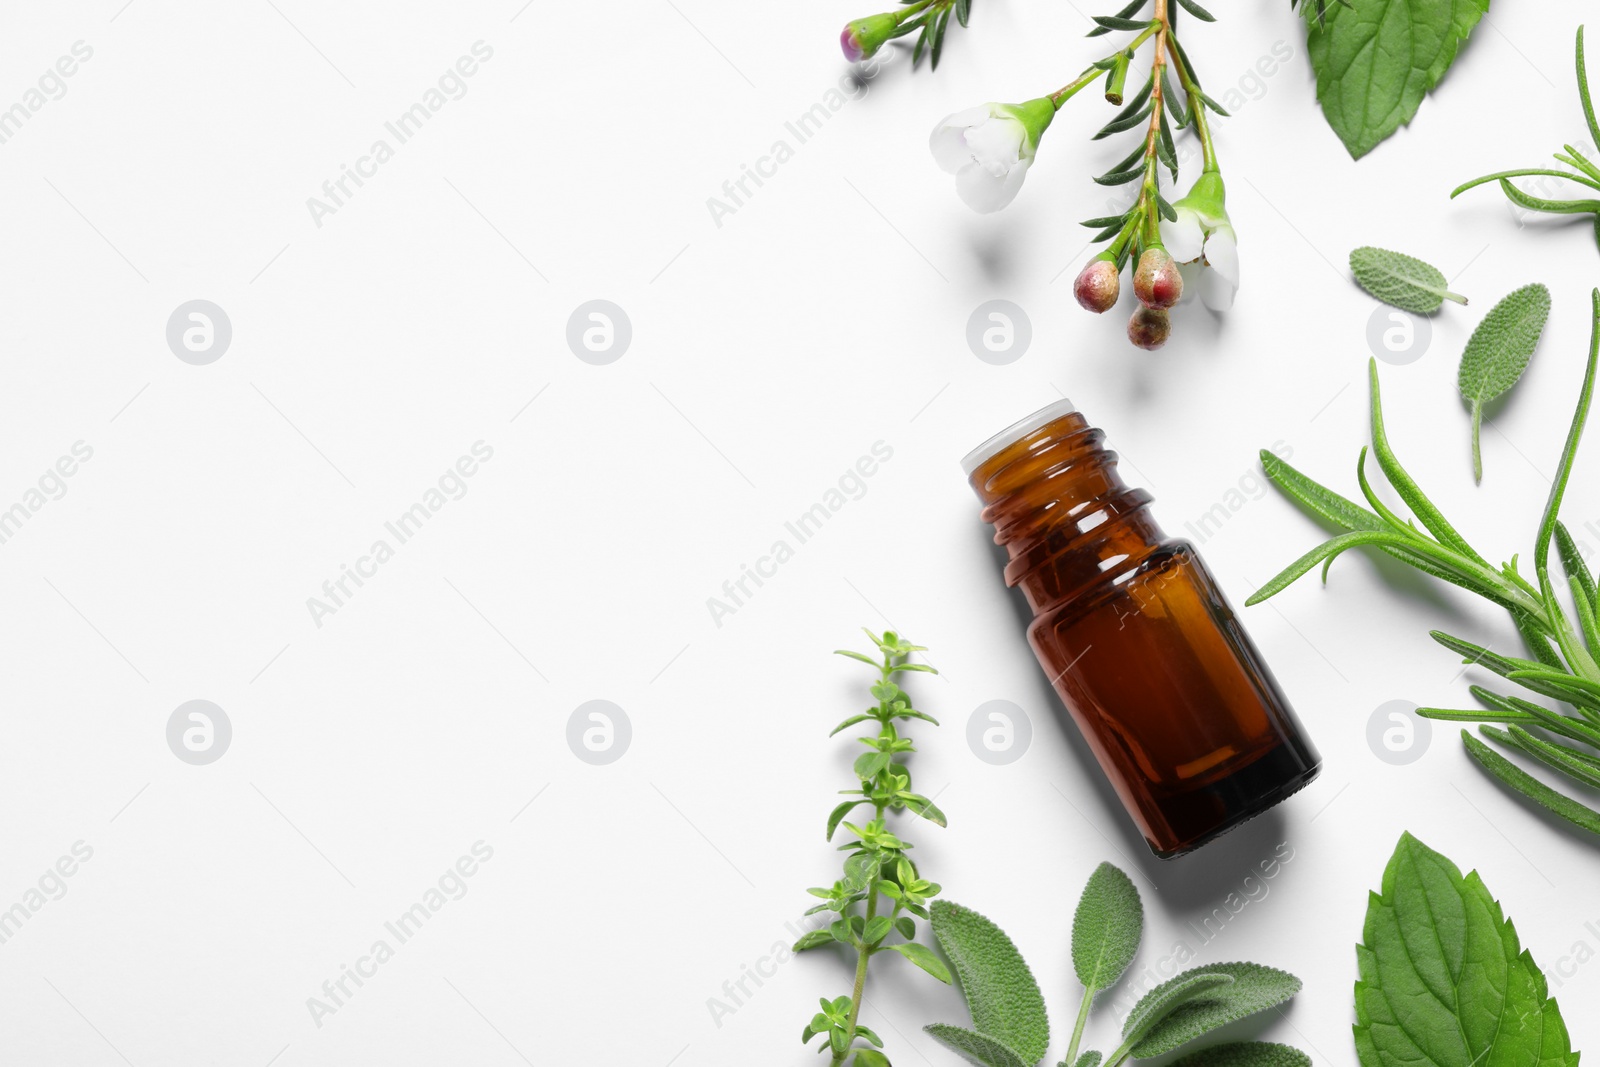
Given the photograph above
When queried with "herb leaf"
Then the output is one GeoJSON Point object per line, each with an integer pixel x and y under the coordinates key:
{"type": "Point", "coordinates": [1001, 993]}
{"type": "Point", "coordinates": [1251, 988]}
{"type": "Point", "coordinates": [1246, 1054]}
{"type": "Point", "coordinates": [979, 1048]}
{"type": "Point", "coordinates": [1520, 781]}
{"type": "Point", "coordinates": [1443, 978]}
{"type": "Point", "coordinates": [1376, 60]}
{"type": "Point", "coordinates": [1400, 280]}
{"type": "Point", "coordinates": [1498, 353]}
{"type": "Point", "coordinates": [923, 957]}
{"type": "Point", "coordinates": [1106, 928]}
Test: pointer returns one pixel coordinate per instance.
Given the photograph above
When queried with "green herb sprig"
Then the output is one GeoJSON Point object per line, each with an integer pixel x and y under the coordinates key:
{"type": "Point", "coordinates": [876, 867]}
{"type": "Point", "coordinates": [1429, 930]}
{"type": "Point", "coordinates": [1585, 172]}
{"type": "Point", "coordinates": [1564, 650]}
{"type": "Point", "coordinates": [1010, 1027]}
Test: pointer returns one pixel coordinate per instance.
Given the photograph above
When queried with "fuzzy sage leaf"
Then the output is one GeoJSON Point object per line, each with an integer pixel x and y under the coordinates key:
{"type": "Point", "coordinates": [979, 1048]}
{"type": "Point", "coordinates": [1106, 929]}
{"type": "Point", "coordinates": [1245, 1054]}
{"type": "Point", "coordinates": [1401, 281]}
{"type": "Point", "coordinates": [1250, 987]}
{"type": "Point", "coordinates": [1498, 353]}
{"type": "Point", "coordinates": [1001, 993]}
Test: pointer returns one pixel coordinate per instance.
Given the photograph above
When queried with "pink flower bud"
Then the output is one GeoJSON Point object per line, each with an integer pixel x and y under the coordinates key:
{"type": "Point", "coordinates": [1157, 282]}
{"type": "Point", "coordinates": [1098, 285]}
{"type": "Point", "coordinates": [1149, 328]}
{"type": "Point", "coordinates": [862, 38]}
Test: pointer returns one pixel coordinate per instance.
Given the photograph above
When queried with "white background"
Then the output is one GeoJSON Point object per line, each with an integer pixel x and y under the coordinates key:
{"type": "Point", "coordinates": [769, 353]}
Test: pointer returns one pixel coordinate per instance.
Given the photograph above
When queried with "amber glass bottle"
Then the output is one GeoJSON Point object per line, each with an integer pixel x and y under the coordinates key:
{"type": "Point", "coordinates": [1138, 640]}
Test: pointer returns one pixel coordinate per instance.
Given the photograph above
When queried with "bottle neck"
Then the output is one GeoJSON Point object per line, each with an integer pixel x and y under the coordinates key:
{"type": "Point", "coordinates": [1069, 522]}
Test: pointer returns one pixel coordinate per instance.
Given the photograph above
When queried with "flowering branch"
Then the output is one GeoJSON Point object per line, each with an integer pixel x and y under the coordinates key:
{"type": "Point", "coordinates": [1170, 245]}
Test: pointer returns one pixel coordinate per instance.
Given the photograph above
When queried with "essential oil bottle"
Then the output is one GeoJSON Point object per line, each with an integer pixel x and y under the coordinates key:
{"type": "Point", "coordinates": [1136, 637]}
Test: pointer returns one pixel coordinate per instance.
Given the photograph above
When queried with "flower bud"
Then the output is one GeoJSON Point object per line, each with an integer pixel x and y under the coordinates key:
{"type": "Point", "coordinates": [1157, 282]}
{"type": "Point", "coordinates": [1149, 328]}
{"type": "Point", "coordinates": [863, 37]}
{"type": "Point", "coordinates": [1098, 285]}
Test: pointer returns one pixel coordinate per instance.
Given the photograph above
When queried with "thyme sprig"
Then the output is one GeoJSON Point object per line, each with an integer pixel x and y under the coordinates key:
{"type": "Point", "coordinates": [877, 869]}
{"type": "Point", "coordinates": [1564, 650]}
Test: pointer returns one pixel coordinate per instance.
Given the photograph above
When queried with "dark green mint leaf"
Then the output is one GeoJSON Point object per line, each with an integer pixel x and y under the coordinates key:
{"type": "Point", "coordinates": [1443, 978]}
{"type": "Point", "coordinates": [1376, 60]}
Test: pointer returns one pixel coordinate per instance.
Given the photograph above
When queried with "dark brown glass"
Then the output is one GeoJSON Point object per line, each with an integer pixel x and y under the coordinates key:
{"type": "Point", "coordinates": [1136, 637]}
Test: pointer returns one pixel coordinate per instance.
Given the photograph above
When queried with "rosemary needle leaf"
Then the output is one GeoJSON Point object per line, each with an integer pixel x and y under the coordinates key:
{"type": "Point", "coordinates": [1520, 781]}
{"type": "Point", "coordinates": [1556, 757]}
{"type": "Point", "coordinates": [1403, 484]}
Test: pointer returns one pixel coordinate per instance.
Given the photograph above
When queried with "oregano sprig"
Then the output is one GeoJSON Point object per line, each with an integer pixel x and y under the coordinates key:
{"type": "Point", "coordinates": [1563, 651]}
{"type": "Point", "coordinates": [877, 869]}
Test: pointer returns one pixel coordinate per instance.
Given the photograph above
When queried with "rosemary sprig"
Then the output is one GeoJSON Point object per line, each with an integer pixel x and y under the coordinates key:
{"type": "Point", "coordinates": [1587, 172]}
{"type": "Point", "coordinates": [876, 868]}
{"type": "Point", "coordinates": [1564, 650]}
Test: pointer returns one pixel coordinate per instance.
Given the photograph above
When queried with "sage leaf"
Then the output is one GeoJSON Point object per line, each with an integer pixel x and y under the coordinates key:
{"type": "Point", "coordinates": [1088, 1059]}
{"type": "Point", "coordinates": [1498, 353]}
{"type": "Point", "coordinates": [1400, 280]}
{"type": "Point", "coordinates": [1443, 979]}
{"type": "Point", "coordinates": [979, 1048]}
{"type": "Point", "coordinates": [1376, 60]}
{"type": "Point", "coordinates": [1106, 929]}
{"type": "Point", "coordinates": [1252, 988]}
{"type": "Point", "coordinates": [1001, 993]}
{"type": "Point", "coordinates": [1245, 1054]}
{"type": "Point", "coordinates": [1166, 998]}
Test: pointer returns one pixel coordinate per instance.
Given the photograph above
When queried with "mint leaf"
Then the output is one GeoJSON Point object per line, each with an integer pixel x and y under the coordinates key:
{"type": "Point", "coordinates": [1245, 1054]}
{"type": "Point", "coordinates": [1443, 978]}
{"type": "Point", "coordinates": [1376, 59]}
{"type": "Point", "coordinates": [1250, 988]}
{"type": "Point", "coordinates": [979, 1048]}
{"type": "Point", "coordinates": [1106, 928]}
{"type": "Point", "coordinates": [1401, 281]}
{"type": "Point", "coordinates": [1001, 993]}
{"type": "Point", "coordinates": [1498, 353]}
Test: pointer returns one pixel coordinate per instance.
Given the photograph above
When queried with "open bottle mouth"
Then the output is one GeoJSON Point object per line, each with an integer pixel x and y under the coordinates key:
{"type": "Point", "coordinates": [1015, 432]}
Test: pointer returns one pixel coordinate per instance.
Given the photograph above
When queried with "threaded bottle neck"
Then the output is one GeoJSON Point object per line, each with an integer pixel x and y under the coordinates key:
{"type": "Point", "coordinates": [1052, 492]}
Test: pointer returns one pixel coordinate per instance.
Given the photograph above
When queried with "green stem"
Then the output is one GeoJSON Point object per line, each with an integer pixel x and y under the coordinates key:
{"type": "Point", "coordinates": [1092, 73]}
{"type": "Point", "coordinates": [1077, 1031]}
{"type": "Point", "coordinates": [910, 9]}
{"type": "Point", "coordinates": [864, 952]}
{"type": "Point", "coordinates": [1197, 107]}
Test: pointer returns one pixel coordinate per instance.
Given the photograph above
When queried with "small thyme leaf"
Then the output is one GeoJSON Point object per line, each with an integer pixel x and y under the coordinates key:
{"type": "Point", "coordinates": [1498, 353]}
{"type": "Point", "coordinates": [1401, 281]}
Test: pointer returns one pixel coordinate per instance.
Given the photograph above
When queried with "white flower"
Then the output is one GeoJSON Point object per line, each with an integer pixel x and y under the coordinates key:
{"type": "Point", "coordinates": [1203, 241]}
{"type": "Point", "coordinates": [989, 150]}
